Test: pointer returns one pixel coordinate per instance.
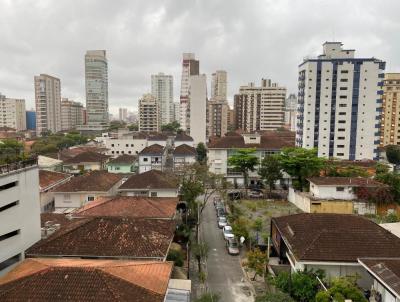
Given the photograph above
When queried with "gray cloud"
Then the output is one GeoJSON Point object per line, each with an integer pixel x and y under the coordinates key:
{"type": "Point", "coordinates": [249, 39]}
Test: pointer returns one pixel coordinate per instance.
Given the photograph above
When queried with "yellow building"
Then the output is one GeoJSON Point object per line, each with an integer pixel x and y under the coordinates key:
{"type": "Point", "coordinates": [390, 125]}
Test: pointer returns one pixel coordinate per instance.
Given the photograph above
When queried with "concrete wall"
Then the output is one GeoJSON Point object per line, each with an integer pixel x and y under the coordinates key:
{"type": "Point", "coordinates": [130, 146]}
{"type": "Point", "coordinates": [331, 192]}
{"type": "Point", "coordinates": [299, 200]}
{"type": "Point", "coordinates": [158, 192]}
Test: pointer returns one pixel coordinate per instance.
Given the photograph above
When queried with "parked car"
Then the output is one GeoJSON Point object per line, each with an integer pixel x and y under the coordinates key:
{"type": "Point", "coordinates": [227, 232]}
{"type": "Point", "coordinates": [256, 194]}
{"type": "Point", "coordinates": [216, 200]}
{"type": "Point", "coordinates": [222, 221]}
{"type": "Point", "coordinates": [232, 246]}
{"type": "Point", "coordinates": [221, 212]}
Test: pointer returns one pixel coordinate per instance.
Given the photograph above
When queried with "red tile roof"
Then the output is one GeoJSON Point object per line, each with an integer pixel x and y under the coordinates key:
{"type": "Point", "coordinates": [94, 181]}
{"type": "Point", "coordinates": [155, 149]}
{"type": "Point", "coordinates": [123, 159]}
{"type": "Point", "coordinates": [86, 280]}
{"type": "Point", "coordinates": [335, 237]}
{"type": "Point", "coordinates": [74, 151]}
{"type": "Point", "coordinates": [152, 179]}
{"type": "Point", "coordinates": [158, 137]}
{"type": "Point", "coordinates": [87, 157]}
{"type": "Point", "coordinates": [185, 150]}
{"type": "Point", "coordinates": [345, 181]}
{"type": "Point", "coordinates": [50, 178]}
{"type": "Point", "coordinates": [129, 206]}
{"type": "Point", "coordinates": [55, 218]}
{"type": "Point", "coordinates": [108, 237]}
{"type": "Point", "coordinates": [183, 137]}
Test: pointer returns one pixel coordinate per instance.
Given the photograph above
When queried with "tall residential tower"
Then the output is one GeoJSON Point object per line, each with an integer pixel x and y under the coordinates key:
{"type": "Point", "coordinates": [219, 85]}
{"type": "Point", "coordinates": [162, 88]}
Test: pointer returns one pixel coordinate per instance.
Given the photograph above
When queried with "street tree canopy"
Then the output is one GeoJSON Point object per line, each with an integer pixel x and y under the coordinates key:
{"type": "Point", "coordinates": [270, 171]}
{"type": "Point", "coordinates": [393, 154]}
{"type": "Point", "coordinates": [201, 151]}
{"type": "Point", "coordinates": [344, 288]}
{"type": "Point", "coordinates": [244, 161]}
{"type": "Point", "coordinates": [173, 127]}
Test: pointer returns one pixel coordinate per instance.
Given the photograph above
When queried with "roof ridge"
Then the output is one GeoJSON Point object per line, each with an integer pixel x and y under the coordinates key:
{"type": "Point", "coordinates": [101, 276]}
{"type": "Point", "coordinates": [312, 242]}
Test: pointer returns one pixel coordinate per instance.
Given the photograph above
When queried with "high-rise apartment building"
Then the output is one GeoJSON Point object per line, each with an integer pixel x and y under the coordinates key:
{"type": "Point", "coordinates": [96, 81]}
{"type": "Point", "coordinates": [339, 104]}
{"type": "Point", "coordinates": [13, 113]}
{"type": "Point", "coordinates": [218, 111]}
{"type": "Point", "coordinates": [48, 103]}
{"type": "Point", "coordinates": [177, 110]}
{"type": "Point", "coordinates": [123, 114]}
{"type": "Point", "coordinates": [198, 108]}
{"type": "Point", "coordinates": [190, 67]}
{"type": "Point", "coordinates": [290, 112]}
{"type": "Point", "coordinates": [219, 85]}
{"type": "Point", "coordinates": [31, 120]}
{"type": "Point", "coordinates": [149, 114]}
{"type": "Point", "coordinates": [72, 114]}
{"type": "Point", "coordinates": [390, 125]}
{"type": "Point", "coordinates": [231, 120]}
{"type": "Point", "coordinates": [260, 107]}
{"type": "Point", "coordinates": [162, 88]}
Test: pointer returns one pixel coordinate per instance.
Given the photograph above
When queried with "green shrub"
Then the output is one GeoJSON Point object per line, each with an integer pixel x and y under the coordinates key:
{"type": "Point", "coordinates": [176, 256]}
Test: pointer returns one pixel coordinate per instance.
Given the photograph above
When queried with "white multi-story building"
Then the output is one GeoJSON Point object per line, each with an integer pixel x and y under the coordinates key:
{"type": "Point", "coordinates": [340, 104]}
{"type": "Point", "coordinates": [71, 114]}
{"type": "Point", "coordinates": [190, 67]}
{"type": "Point", "coordinates": [131, 145]}
{"type": "Point", "coordinates": [48, 103]}
{"type": "Point", "coordinates": [13, 113]}
{"type": "Point", "coordinates": [260, 108]}
{"type": "Point", "coordinates": [290, 112]}
{"type": "Point", "coordinates": [177, 110]}
{"type": "Point", "coordinates": [123, 114]}
{"type": "Point", "coordinates": [198, 108]}
{"type": "Point", "coordinates": [149, 114]}
{"type": "Point", "coordinates": [19, 212]}
{"type": "Point", "coordinates": [162, 88]}
{"type": "Point", "coordinates": [219, 85]}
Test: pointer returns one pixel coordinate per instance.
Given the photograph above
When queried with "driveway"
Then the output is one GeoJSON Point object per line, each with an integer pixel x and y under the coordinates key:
{"type": "Point", "coordinates": [225, 275]}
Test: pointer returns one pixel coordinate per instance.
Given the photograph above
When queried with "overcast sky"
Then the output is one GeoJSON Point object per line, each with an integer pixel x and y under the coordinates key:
{"type": "Point", "coordinates": [249, 39]}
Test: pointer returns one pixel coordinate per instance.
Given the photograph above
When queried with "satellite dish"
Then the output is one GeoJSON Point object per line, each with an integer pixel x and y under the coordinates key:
{"type": "Point", "coordinates": [241, 239]}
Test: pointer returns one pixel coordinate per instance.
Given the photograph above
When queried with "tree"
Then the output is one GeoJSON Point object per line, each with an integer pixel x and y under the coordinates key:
{"type": "Point", "coordinates": [133, 127]}
{"type": "Point", "coordinates": [173, 127]}
{"type": "Point", "coordinates": [115, 125]}
{"type": "Point", "coordinates": [393, 181]}
{"type": "Point", "coordinates": [301, 164]}
{"type": "Point", "coordinates": [11, 150]}
{"type": "Point", "coordinates": [201, 151]}
{"type": "Point", "coordinates": [393, 154]}
{"type": "Point", "coordinates": [270, 171]}
{"type": "Point", "coordinates": [256, 260]}
{"type": "Point", "coordinates": [244, 161]}
{"type": "Point", "coordinates": [200, 251]}
{"type": "Point", "coordinates": [335, 170]}
{"type": "Point", "coordinates": [341, 289]}
{"type": "Point", "coordinates": [240, 228]}
{"type": "Point", "coordinates": [275, 297]}
{"type": "Point", "coordinates": [208, 297]}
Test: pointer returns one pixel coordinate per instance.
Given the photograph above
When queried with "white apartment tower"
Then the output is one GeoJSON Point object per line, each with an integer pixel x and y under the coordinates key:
{"type": "Point", "coordinates": [340, 104]}
{"type": "Point", "coordinates": [48, 103]}
{"type": "Point", "coordinates": [219, 85]}
{"type": "Point", "coordinates": [72, 114]}
{"type": "Point", "coordinates": [13, 113]}
{"type": "Point", "coordinates": [177, 110]}
{"type": "Point", "coordinates": [290, 112]}
{"type": "Point", "coordinates": [123, 114]}
{"type": "Point", "coordinates": [162, 88]}
{"type": "Point", "coordinates": [96, 81]}
{"type": "Point", "coordinates": [149, 114]}
{"type": "Point", "coordinates": [198, 107]}
{"type": "Point", "coordinates": [190, 67]}
{"type": "Point", "coordinates": [260, 108]}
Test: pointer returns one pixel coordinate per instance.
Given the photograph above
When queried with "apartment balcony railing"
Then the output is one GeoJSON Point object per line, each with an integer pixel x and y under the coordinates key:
{"type": "Point", "coordinates": [11, 167]}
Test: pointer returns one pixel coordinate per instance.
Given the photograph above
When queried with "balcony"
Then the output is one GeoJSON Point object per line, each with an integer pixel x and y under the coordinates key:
{"type": "Point", "coordinates": [20, 165]}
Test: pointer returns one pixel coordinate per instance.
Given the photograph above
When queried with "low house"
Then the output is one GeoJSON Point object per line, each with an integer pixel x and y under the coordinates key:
{"type": "Point", "coordinates": [152, 183]}
{"type": "Point", "coordinates": [386, 275]}
{"type": "Point", "coordinates": [183, 139]}
{"type": "Point", "coordinates": [49, 163]}
{"type": "Point", "coordinates": [87, 280]}
{"type": "Point", "coordinates": [85, 188]}
{"type": "Point", "coordinates": [183, 155]}
{"type": "Point", "coordinates": [129, 206]}
{"type": "Point", "coordinates": [152, 158]}
{"type": "Point", "coordinates": [49, 180]}
{"type": "Point", "coordinates": [108, 238]}
{"type": "Point", "coordinates": [331, 242]}
{"type": "Point", "coordinates": [86, 161]}
{"type": "Point", "coordinates": [158, 139]}
{"type": "Point", "coordinates": [334, 195]}
{"type": "Point", "coordinates": [123, 164]}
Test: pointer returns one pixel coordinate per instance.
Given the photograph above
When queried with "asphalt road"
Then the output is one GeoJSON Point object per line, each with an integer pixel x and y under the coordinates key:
{"type": "Point", "coordinates": [225, 275]}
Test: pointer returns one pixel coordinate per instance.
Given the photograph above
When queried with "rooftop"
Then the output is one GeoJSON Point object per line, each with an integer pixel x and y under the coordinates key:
{"type": "Point", "coordinates": [158, 137]}
{"type": "Point", "coordinates": [50, 178]}
{"type": "Point", "coordinates": [86, 280]}
{"type": "Point", "coordinates": [123, 159]}
{"type": "Point", "coordinates": [152, 179]}
{"type": "Point", "coordinates": [183, 137]}
{"type": "Point", "coordinates": [55, 218]}
{"type": "Point", "coordinates": [86, 157]}
{"type": "Point", "coordinates": [74, 151]}
{"type": "Point", "coordinates": [45, 161]}
{"type": "Point", "coordinates": [120, 237]}
{"type": "Point", "coordinates": [129, 206]}
{"type": "Point", "coordinates": [184, 150]}
{"type": "Point", "coordinates": [335, 237]}
{"type": "Point", "coordinates": [94, 181]}
{"type": "Point", "coordinates": [155, 149]}
{"type": "Point", "coordinates": [345, 181]}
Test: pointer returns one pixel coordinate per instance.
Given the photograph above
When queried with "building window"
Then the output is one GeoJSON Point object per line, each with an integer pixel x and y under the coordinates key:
{"type": "Point", "coordinates": [145, 159]}
{"type": "Point", "coordinates": [339, 189]}
{"type": "Point", "coordinates": [10, 261]}
{"type": "Point", "coordinates": [67, 197]}
{"type": "Point", "coordinates": [9, 185]}
{"type": "Point", "coordinates": [9, 235]}
{"type": "Point", "coordinates": [90, 198]}
{"type": "Point", "coordinates": [10, 205]}
{"type": "Point", "coordinates": [153, 194]}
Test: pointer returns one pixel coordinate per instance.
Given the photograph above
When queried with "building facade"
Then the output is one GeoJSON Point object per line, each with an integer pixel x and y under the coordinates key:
{"type": "Point", "coordinates": [290, 112]}
{"type": "Point", "coordinates": [31, 120]}
{"type": "Point", "coordinates": [96, 81]}
{"type": "Point", "coordinates": [219, 85]}
{"type": "Point", "coordinates": [198, 108]}
{"type": "Point", "coordinates": [13, 113]}
{"type": "Point", "coordinates": [123, 114]}
{"type": "Point", "coordinates": [390, 125]}
{"type": "Point", "coordinates": [162, 88]}
{"type": "Point", "coordinates": [340, 104]}
{"type": "Point", "coordinates": [71, 114]}
{"type": "Point", "coordinates": [149, 114]}
{"type": "Point", "coordinates": [260, 108]}
{"type": "Point", "coordinates": [218, 112]}
{"type": "Point", "coordinates": [190, 67]}
{"type": "Point", "coordinates": [48, 103]}
{"type": "Point", "coordinates": [177, 111]}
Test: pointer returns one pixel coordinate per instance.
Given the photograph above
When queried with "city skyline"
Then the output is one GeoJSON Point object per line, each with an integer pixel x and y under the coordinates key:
{"type": "Point", "coordinates": [132, 61]}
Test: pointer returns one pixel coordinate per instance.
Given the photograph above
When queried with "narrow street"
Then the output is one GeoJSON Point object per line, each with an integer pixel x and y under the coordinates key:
{"type": "Point", "coordinates": [225, 275]}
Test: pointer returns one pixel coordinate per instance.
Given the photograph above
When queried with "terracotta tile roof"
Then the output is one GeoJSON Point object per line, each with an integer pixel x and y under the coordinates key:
{"type": "Point", "coordinates": [123, 159]}
{"type": "Point", "coordinates": [74, 151]}
{"type": "Point", "coordinates": [358, 163]}
{"type": "Point", "coordinates": [87, 157]}
{"type": "Point", "coordinates": [50, 178]}
{"type": "Point", "coordinates": [183, 137]}
{"type": "Point", "coordinates": [56, 218]}
{"type": "Point", "coordinates": [129, 206]}
{"type": "Point", "coordinates": [387, 270]}
{"type": "Point", "coordinates": [270, 140]}
{"type": "Point", "coordinates": [152, 179]}
{"type": "Point", "coordinates": [158, 137]}
{"type": "Point", "coordinates": [94, 181]}
{"type": "Point", "coordinates": [155, 149]}
{"type": "Point", "coordinates": [335, 237]}
{"type": "Point", "coordinates": [345, 181]}
{"type": "Point", "coordinates": [86, 280]}
{"type": "Point", "coordinates": [184, 150]}
{"type": "Point", "coordinates": [108, 237]}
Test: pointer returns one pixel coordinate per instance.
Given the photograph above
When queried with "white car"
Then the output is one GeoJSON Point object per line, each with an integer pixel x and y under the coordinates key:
{"type": "Point", "coordinates": [227, 232]}
{"type": "Point", "coordinates": [222, 221]}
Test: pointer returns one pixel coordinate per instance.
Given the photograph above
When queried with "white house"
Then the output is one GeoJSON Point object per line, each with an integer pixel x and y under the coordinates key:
{"type": "Point", "coordinates": [152, 183]}
{"type": "Point", "coordinates": [183, 155]}
{"type": "Point", "coordinates": [85, 188]}
{"type": "Point", "coordinates": [152, 158]}
{"type": "Point", "coordinates": [19, 211]}
{"type": "Point", "coordinates": [49, 180]}
{"type": "Point", "coordinates": [86, 161]}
